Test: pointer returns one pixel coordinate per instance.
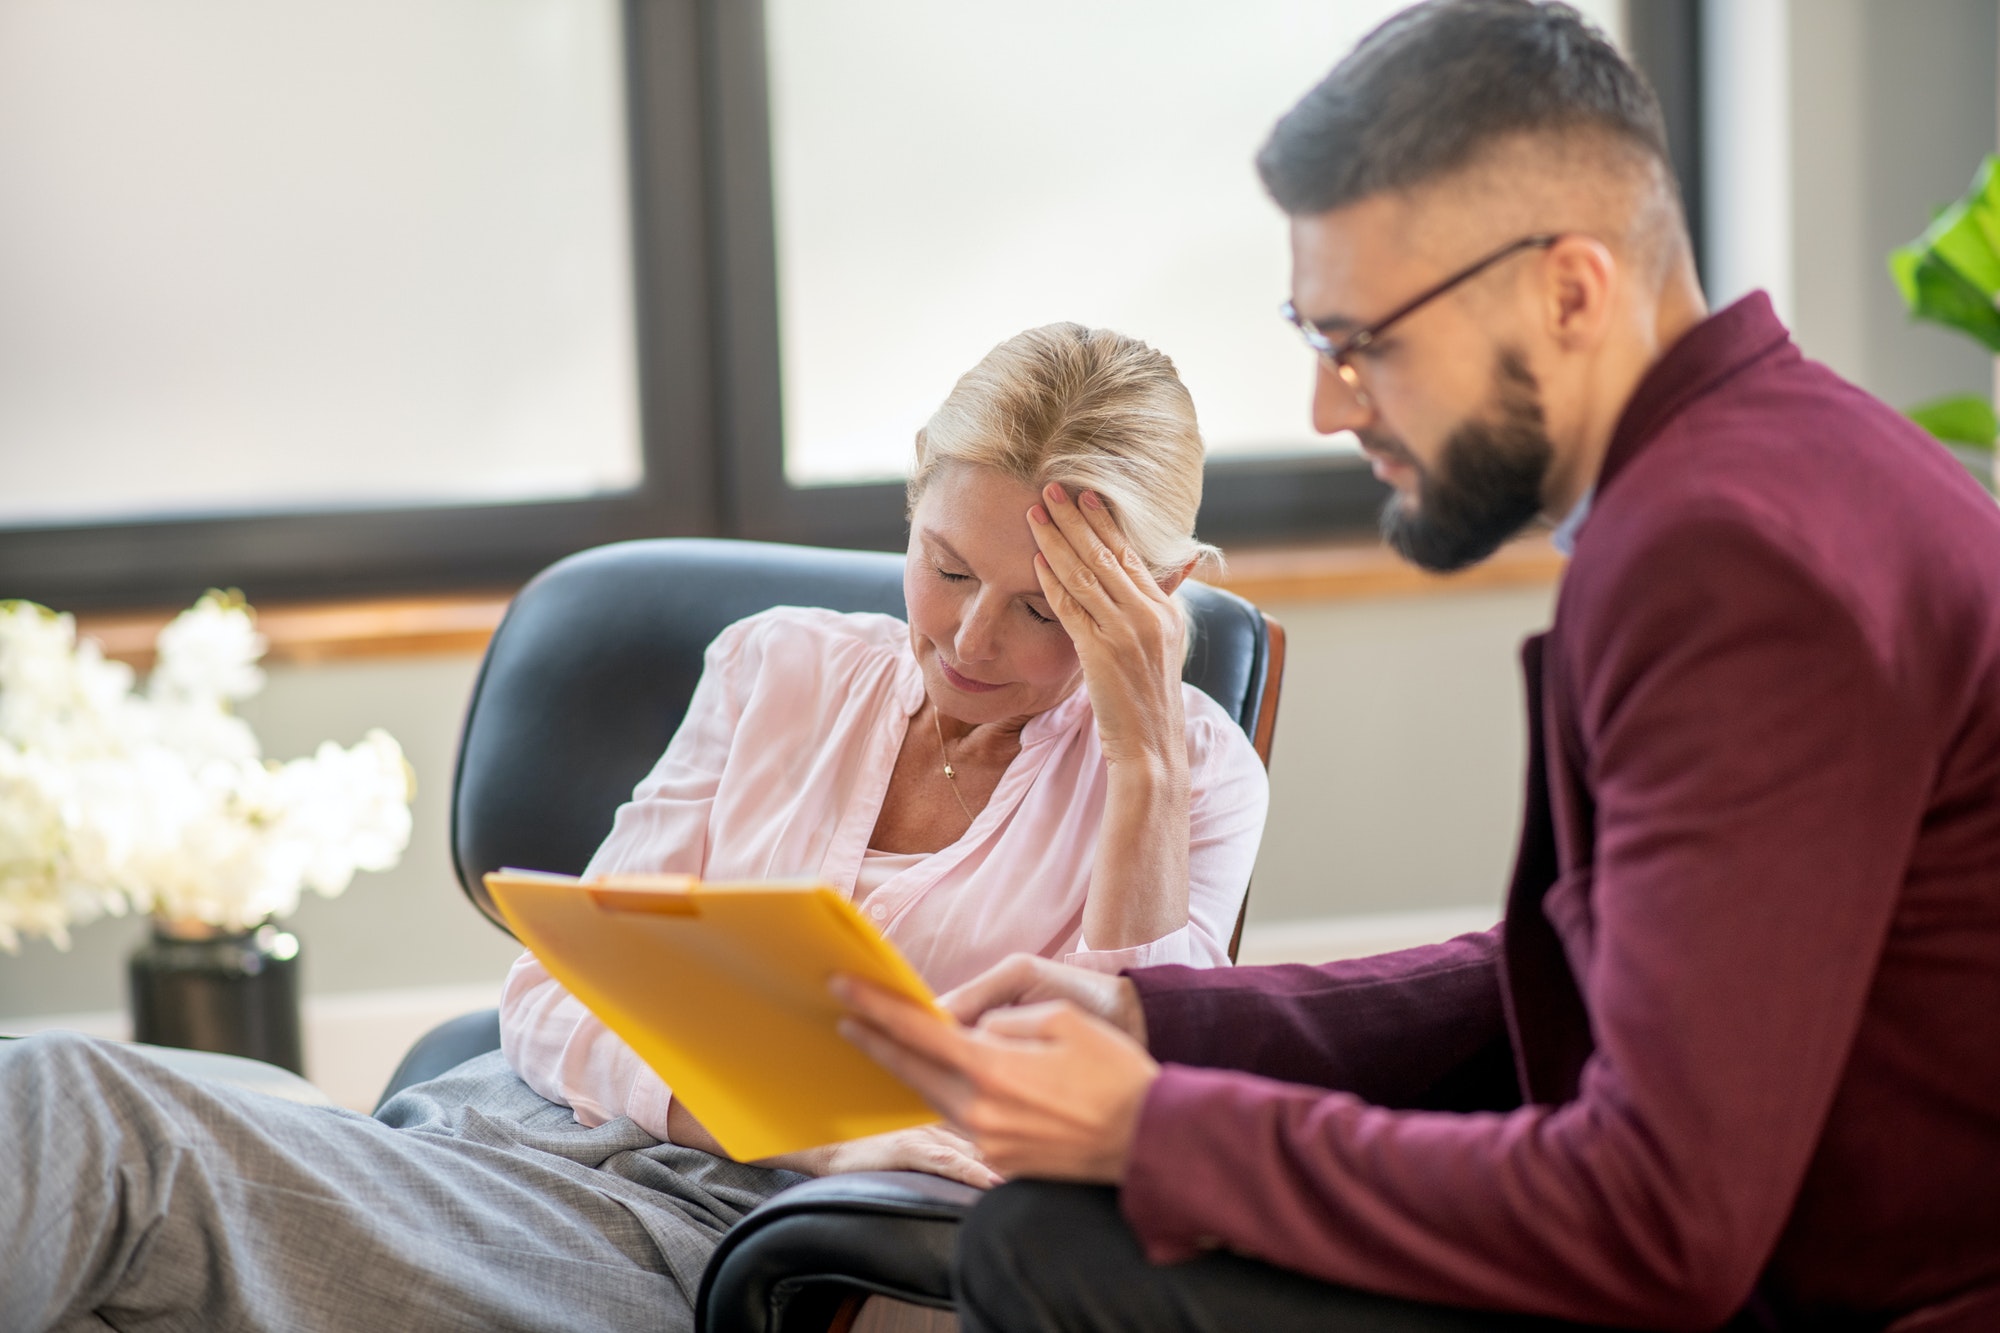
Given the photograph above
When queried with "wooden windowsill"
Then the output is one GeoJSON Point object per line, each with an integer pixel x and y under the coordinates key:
{"type": "Point", "coordinates": [308, 632]}
{"type": "Point", "coordinates": [1346, 571]}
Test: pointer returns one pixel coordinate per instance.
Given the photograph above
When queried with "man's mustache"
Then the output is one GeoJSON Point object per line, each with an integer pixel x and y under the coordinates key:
{"type": "Point", "coordinates": [1387, 446]}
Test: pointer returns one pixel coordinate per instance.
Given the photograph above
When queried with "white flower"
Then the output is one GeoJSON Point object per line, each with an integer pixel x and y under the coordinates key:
{"type": "Point", "coordinates": [49, 877]}
{"type": "Point", "coordinates": [56, 694]}
{"type": "Point", "coordinates": [160, 800]}
{"type": "Point", "coordinates": [200, 730]}
{"type": "Point", "coordinates": [209, 652]}
{"type": "Point", "coordinates": [350, 808]}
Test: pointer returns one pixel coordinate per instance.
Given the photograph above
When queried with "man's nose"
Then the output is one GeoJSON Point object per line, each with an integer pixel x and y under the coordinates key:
{"type": "Point", "coordinates": [1336, 406]}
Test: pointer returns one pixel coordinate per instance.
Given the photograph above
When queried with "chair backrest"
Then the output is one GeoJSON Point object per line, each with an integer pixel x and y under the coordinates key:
{"type": "Point", "coordinates": [591, 671]}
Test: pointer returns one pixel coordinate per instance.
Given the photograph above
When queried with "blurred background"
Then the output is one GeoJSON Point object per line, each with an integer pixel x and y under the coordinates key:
{"type": "Point", "coordinates": [373, 308]}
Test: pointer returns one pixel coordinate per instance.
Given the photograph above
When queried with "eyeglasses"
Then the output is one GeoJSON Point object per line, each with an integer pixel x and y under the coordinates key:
{"type": "Point", "coordinates": [1340, 355]}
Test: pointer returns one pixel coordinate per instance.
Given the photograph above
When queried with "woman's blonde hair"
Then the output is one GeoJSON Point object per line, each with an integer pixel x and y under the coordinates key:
{"type": "Point", "coordinates": [1090, 410]}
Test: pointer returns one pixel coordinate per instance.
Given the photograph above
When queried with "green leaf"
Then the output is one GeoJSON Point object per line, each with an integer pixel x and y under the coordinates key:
{"type": "Point", "coordinates": [1936, 291]}
{"type": "Point", "coordinates": [1966, 419]}
{"type": "Point", "coordinates": [1950, 274]}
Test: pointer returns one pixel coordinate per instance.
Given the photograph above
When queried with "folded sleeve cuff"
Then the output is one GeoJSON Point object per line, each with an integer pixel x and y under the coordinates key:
{"type": "Point", "coordinates": [647, 1104]}
{"type": "Point", "coordinates": [1173, 947]}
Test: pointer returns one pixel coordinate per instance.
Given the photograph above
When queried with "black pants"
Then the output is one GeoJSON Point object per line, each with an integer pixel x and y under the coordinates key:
{"type": "Point", "coordinates": [1039, 1256]}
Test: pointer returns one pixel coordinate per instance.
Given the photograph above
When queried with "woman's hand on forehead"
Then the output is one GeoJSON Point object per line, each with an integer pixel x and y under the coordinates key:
{"type": "Point", "coordinates": [1128, 633]}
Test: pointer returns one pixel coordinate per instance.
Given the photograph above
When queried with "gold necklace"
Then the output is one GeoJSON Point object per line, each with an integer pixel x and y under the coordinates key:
{"type": "Point", "coordinates": [951, 775]}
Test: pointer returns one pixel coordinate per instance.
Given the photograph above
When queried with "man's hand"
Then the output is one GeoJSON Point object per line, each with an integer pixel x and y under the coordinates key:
{"type": "Point", "coordinates": [1046, 1090]}
{"type": "Point", "coordinates": [1025, 978]}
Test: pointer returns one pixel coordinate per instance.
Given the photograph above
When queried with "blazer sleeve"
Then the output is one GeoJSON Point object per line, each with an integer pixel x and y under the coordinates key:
{"type": "Point", "coordinates": [1759, 779]}
{"type": "Point", "coordinates": [557, 1046]}
{"type": "Point", "coordinates": [1419, 1027]}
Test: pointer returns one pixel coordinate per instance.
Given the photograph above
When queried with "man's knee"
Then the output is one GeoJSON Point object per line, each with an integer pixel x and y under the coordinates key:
{"type": "Point", "coordinates": [1033, 1255]}
{"type": "Point", "coordinates": [1003, 1231]}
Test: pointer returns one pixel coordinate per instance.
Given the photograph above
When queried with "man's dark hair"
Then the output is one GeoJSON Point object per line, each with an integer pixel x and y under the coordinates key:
{"type": "Point", "coordinates": [1424, 94]}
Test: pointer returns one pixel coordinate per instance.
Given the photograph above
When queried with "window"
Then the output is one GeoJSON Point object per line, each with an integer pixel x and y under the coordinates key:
{"type": "Point", "coordinates": [425, 293]}
{"type": "Point", "coordinates": [317, 296]}
{"type": "Point", "coordinates": [385, 263]}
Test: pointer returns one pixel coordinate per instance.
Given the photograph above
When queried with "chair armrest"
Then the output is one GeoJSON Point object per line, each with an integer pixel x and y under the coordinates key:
{"type": "Point", "coordinates": [791, 1262]}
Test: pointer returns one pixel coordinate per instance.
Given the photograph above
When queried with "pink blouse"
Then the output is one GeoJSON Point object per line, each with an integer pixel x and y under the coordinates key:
{"type": "Point", "coordinates": [779, 771]}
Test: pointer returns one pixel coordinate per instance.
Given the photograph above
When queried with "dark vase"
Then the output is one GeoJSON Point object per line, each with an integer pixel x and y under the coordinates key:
{"type": "Point", "coordinates": [205, 989]}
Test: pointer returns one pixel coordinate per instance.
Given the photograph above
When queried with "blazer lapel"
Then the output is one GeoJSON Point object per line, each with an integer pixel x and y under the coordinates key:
{"type": "Point", "coordinates": [1545, 1011]}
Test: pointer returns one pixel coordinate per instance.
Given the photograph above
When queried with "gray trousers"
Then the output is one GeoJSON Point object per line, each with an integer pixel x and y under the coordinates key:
{"type": "Point", "coordinates": [134, 1198]}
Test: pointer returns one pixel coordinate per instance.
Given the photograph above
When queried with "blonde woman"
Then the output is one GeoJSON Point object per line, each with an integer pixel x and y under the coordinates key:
{"type": "Point", "coordinates": [1016, 768]}
{"type": "Point", "coordinates": [1011, 771]}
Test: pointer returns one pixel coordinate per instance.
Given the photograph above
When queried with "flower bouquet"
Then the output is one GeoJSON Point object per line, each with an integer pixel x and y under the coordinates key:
{"type": "Point", "coordinates": [115, 798]}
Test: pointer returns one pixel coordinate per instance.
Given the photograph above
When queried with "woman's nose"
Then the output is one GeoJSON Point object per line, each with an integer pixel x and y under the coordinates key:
{"type": "Point", "coordinates": [978, 638]}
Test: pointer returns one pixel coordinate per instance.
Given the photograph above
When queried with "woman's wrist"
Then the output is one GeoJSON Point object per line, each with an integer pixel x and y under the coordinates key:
{"type": "Point", "coordinates": [1157, 768]}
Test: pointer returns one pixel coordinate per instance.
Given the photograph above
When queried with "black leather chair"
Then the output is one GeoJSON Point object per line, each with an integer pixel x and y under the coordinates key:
{"type": "Point", "coordinates": [583, 684]}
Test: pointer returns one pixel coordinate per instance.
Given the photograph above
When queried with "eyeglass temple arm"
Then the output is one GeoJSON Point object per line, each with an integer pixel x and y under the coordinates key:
{"type": "Point", "coordinates": [1360, 338]}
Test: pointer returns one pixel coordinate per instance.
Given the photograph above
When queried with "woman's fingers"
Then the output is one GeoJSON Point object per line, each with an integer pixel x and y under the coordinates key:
{"type": "Point", "coordinates": [968, 1171]}
{"type": "Point", "coordinates": [954, 1157]}
{"type": "Point", "coordinates": [937, 1150]}
{"type": "Point", "coordinates": [1075, 619]}
{"type": "Point", "coordinates": [1093, 572]}
{"type": "Point", "coordinates": [931, 1148]}
{"type": "Point", "coordinates": [1111, 538]}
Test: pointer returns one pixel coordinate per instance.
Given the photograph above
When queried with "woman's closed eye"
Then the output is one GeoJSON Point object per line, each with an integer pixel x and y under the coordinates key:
{"type": "Point", "coordinates": [951, 576]}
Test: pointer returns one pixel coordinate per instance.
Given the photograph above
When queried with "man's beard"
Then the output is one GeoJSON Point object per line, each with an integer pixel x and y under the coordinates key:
{"type": "Point", "coordinates": [1487, 484]}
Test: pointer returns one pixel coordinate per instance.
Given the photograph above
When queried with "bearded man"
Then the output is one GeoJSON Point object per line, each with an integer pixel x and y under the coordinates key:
{"type": "Point", "coordinates": [1733, 1056]}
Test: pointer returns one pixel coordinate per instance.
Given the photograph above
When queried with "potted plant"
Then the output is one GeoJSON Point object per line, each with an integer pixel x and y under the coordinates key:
{"type": "Point", "coordinates": [118, 799]}
{"type": "Point", "coordinates": [1950, 275]}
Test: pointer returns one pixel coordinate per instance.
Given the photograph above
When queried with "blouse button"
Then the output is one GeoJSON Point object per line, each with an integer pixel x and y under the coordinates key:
{"type": "Point", "coordinates": [877, 911]}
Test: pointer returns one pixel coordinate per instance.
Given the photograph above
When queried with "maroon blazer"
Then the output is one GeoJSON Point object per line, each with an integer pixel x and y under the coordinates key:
{"type": "Point", "coordinates": [1738, 1036]}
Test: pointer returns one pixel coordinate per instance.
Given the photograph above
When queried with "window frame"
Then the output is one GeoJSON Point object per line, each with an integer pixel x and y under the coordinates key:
{"type": "Point", "coordinates": [1663, 38]}
{"type": "Point", "coordinates": [711, 421]}
{"type": "Point", "coordinates": [1273, 498]}
{"type": "Point", "coordinates": [302, 555]}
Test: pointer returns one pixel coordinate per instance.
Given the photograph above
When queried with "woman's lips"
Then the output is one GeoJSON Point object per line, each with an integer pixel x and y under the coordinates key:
{"type": "Point", "coordinates": [966, 683]}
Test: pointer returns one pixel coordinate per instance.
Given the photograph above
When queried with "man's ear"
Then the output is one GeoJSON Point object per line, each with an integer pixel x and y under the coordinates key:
{"type": "Point", "coordinates": [1173, 581]}
{"type": "Point", "coordinates": [1582, 273]}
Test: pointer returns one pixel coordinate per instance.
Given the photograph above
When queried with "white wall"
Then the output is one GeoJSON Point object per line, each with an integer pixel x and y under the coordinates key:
{"type": "Point", "coordinates": [1396, 771]}
{"type": "Point", "coordinates": [1836, 129]}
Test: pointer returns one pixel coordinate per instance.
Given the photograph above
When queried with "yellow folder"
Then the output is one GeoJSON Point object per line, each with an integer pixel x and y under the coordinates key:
{"type": "Point", "coordinates": [721, 988]}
